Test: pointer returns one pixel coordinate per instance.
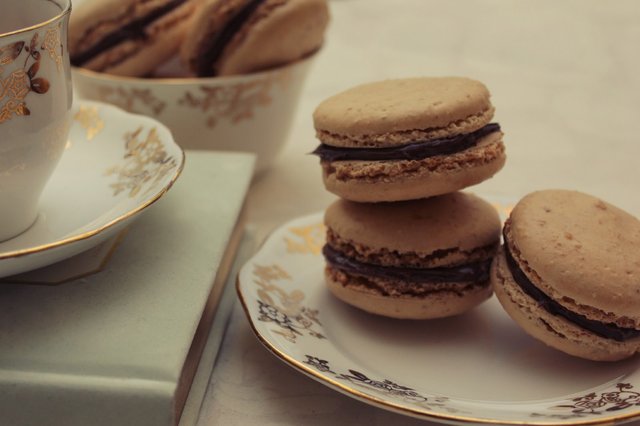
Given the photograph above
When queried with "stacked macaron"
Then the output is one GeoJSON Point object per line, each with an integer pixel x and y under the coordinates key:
{"type": "Point", "coordinates": [214, 37]}
{"type": "Point", "coordinates": [401, 241]}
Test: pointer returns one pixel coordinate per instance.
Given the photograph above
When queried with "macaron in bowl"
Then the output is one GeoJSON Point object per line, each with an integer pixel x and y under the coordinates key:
{"type": "Point", "coordinates": [419, 259]}
{"type": "Point", "coordinates": [238, 103]}
{"type": "Point", "coordinates": [569, 274]}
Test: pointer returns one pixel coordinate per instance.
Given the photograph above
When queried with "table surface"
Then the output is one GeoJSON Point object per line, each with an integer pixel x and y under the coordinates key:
{"type": "Point", "coordinates": [565, 80]}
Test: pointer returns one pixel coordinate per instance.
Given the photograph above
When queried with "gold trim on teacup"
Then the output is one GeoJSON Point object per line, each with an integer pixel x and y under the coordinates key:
{"type": "Point", "coordinates": [66, 9]}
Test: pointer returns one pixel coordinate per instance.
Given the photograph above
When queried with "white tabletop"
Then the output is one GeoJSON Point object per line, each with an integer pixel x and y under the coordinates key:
{"type": "Point", "coordinates": [565, 79]}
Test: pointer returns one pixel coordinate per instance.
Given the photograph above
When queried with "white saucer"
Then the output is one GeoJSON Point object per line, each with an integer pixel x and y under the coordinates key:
{"type": "Point", "coordinates": [115, 165]}
{"type": "Point", "coordinates": [477, 368]}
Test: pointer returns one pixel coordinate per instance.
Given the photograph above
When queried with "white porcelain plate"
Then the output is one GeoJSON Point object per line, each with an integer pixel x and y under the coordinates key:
{"type": "Point", "coordinates": [115, 165]}
{"type": "Point", "coordinates": [475, 368]}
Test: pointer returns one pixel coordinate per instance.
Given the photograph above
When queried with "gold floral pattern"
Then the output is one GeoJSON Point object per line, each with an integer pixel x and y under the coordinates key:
{"type": "Point", "coordinates": [384, 386]}
{"type": "Point", "coordinates": [20, 82]}
{"type": "Point", "coordinates": [89, 119]}
{"type": "Point", "coordinates": [283, 309]}
{"type": "Point", "coordinates": [146, 163]}
{"type": "Point", "coordinates": [622, 396]}
{"type": "Point", "coordinates": [307, 240]}
{"type": "Point", "coordinates": [234, 103]}
{"type": "Point", "coordinates": [53, 46]}
{"type": "Point", "coordinates": [129, 98]}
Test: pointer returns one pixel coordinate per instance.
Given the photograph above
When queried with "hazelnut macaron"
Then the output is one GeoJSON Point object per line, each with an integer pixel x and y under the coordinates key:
{"type": "Point", "coordinates": [569, 274]}
{"type": "Point", "coordinates": [409, 138]}
{"type": "Point", "coordinates": [419, 259]}
{"type": "Point", "coordinates": [127, 37]}
{"type": "Point", "coordinates": [230, 37]}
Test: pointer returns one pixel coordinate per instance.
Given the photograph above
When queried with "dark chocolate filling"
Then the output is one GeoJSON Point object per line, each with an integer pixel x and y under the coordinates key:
{"type": "Point", "coordinates": [133, 30]}
{"type": "Point", "coordinates": [471, 272]}
{"type": "Point", "coordinates": [213, 51]}
{"type": "Point", "coordinates": [412, 151]}
{"type": "Point", "coordinates": [606, 330]}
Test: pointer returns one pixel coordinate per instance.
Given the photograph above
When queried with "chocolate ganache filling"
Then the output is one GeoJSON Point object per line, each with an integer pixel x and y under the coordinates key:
{"type": "Point", "coordinates": [471, 272]}
{"type": "Point", "coordinates": [413, 151]}
{"type": "Point", "coordinates": [133, 30]}
{"type": "Point", "coordinates": [212, 52]}
{"type": "Point", "coordinates": [606, 330]}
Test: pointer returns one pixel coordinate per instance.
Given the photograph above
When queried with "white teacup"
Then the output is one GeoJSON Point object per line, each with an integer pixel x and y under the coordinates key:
{"type": "Point", "coordinates": [35, 103]}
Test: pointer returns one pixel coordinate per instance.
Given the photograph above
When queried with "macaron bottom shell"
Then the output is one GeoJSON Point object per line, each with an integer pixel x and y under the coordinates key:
{"type": "Point", "coordinates": [399, 180]}
{"type": "Point", "coordinates": [550, 329]}
{"type": "Point", "coordinates": [356, 292]}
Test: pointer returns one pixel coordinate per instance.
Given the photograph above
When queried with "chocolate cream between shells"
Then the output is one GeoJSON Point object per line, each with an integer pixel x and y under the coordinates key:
{"type": "Point", "coordinates": [417, 150]}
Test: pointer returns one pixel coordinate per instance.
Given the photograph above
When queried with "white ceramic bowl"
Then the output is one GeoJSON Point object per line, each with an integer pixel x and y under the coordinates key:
{"type": "Point", "coordinates": [250, 113]}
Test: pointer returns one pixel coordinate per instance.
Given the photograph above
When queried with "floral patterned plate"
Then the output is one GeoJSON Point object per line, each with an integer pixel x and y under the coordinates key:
{"type": "Point", "coordinates": [114, 166]}
{"type": "Point", "coordinates": [475, 368]}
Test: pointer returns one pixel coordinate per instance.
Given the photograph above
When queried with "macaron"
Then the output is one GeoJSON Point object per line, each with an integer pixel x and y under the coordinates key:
{"type": "Point", "coordinates": [241, 36]}
{"type": "Point", "coordinates": [409, 138]}
{"type": "Point", "coordinates": [569, 274]}
{"type": "Point", "coordinates": [127, 37]}
{"type": "Point", "coordinates": [419, 259]}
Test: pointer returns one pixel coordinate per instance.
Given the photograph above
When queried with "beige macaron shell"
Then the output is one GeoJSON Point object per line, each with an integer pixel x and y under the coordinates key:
{"type": "Point", "coordinates": [582, 252]}
{"type": "Point", "coordinates": [278, 32]}
{"type": "Point", "coordinates": [135, 57]}
{"type": "Point", "coordinates": [374, 112]}
{"type": "Point", "coordinates": [207, 22]}
{"type": "Point", "coordinates": [92, 20]}
{"type": "Point", "coordinates": [434, 305]}
{"type": "Point", "coordinates": [397, 180]}
{"type": "Point", "coordinates": [550, 329]}
{"type": "Point", "coordinates": [458, 221]}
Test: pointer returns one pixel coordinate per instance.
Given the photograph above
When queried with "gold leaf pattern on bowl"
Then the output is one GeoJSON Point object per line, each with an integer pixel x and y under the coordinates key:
{"type": "Point", "coordinates": [127, 98]}
{"type": "Point", "coordinates": [236, 102]}
{"type": "Point", "coordinates": [146, 163]}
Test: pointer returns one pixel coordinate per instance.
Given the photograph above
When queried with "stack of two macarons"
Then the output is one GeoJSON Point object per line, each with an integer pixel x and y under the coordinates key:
{"type": "Point", "coordinates": [402, 241]}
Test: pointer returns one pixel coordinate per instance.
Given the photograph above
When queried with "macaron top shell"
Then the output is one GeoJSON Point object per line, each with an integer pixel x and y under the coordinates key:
{"type": "Point", "coordinates": [370, 114]}
{"type": "Point", "coordinates": [580, 251]}
{"type": "Point", "coordinates": [452, 221]}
